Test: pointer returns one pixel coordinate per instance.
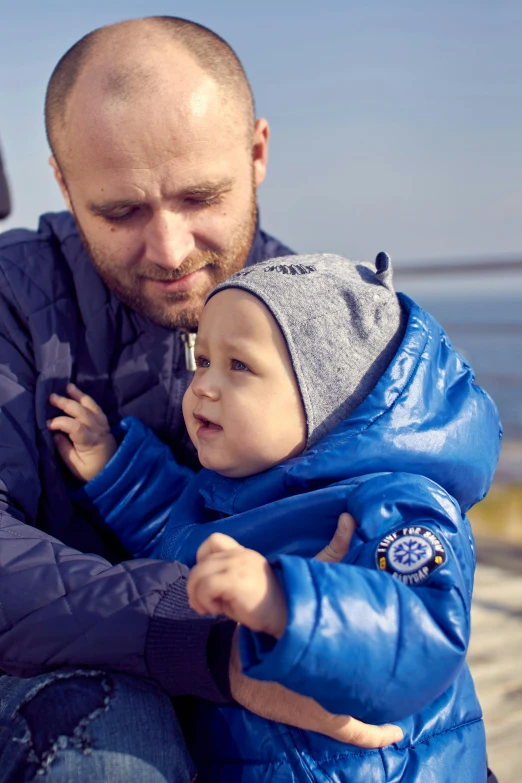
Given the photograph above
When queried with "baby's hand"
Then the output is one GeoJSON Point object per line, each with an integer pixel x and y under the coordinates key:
{"type": "Point", "coordinates": [239, 583]}
{"type": "Point", "coordinates": [90, 444]}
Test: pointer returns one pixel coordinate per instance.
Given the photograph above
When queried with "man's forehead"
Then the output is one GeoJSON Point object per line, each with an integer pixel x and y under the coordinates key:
{"type": "Point", "coordinates": [150, 131]}
{"type": "Point", "coordinates": [152, 153]}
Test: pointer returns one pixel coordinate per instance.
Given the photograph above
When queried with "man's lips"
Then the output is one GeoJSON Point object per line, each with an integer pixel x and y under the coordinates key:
{"type": "Point", "coordinates": [182, 284]}
{"type": "Point", "coordinates": [206, 427]}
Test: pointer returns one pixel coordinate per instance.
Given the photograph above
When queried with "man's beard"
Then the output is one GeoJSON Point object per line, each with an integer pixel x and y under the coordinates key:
{"type": "Point", "coordinates": [162, 309]}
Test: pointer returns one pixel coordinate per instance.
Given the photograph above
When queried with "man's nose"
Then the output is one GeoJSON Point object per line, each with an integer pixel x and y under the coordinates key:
{"type": "Point", "coordinates": [169, 240]}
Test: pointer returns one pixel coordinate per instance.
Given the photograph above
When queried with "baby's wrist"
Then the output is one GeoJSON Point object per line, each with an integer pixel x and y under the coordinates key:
{"type": "Point", "coordinates": [111, 447]}
{"type": "Point", "coordinates": [278, 619]}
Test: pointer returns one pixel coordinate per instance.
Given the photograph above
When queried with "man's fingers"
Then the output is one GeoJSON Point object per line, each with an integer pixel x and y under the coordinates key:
{"type": "Point", "coordinates": [364, 735]}
{"type": "Point", "coordinates": [274, 702]}
{"type": "Point", "coordinates": [338, 547]}
{"type": "Point", "coordinates": [217, 542]}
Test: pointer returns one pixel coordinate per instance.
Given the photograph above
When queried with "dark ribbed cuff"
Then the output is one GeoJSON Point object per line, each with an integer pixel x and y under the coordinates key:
{"type": "Point", "coordinates": [218, 652]}
{"type": "Point", "coordinates": [178, 645]}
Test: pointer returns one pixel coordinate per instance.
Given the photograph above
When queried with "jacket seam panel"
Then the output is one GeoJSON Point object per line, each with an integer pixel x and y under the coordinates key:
{"type": "Point", "coordinates": [83, 631]}
{"type": "Point", "coordinates": [36, 239]}
{"type": "Point", "coordinates": [316, 619]}
{"type": "Point", "coordinates": [442, 733]}
{"type": "Point", "coordinates": [25, 274]}
{"type": "Point", "coordinates": [412, 746]}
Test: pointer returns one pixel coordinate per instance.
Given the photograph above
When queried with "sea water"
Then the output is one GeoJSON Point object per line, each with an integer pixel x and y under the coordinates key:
{"type": "Point", "coordinates": [482, 314]}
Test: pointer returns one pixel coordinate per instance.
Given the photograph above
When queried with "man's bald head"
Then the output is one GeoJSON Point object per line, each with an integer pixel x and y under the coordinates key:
{"type": "Point", "coordinates": [131, 58]}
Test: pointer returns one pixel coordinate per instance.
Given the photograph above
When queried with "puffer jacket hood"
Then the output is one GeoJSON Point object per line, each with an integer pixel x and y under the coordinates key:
{"type": "Point", "coordinates": [381, 636]}
{"type": "Point", "coordinates": [426, 415]}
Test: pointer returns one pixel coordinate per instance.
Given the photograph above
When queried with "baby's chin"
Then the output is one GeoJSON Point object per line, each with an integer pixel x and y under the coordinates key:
{"type": "Point", "coordinates": [232, 470]}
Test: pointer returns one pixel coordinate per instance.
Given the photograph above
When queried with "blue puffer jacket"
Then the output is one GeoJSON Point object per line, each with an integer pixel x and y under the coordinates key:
{"type": "Point", "coordinates": [382, 636]}
{"type": "Point", "coordinates": [59, 606]}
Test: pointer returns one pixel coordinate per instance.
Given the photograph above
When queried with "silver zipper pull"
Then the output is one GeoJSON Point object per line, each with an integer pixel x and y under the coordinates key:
{"type": "Point", "coordinates": [189, 341]}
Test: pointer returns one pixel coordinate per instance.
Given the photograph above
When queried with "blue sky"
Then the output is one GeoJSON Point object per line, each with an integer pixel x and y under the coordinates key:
{"type": "Point", "coordinates": [395, 125]}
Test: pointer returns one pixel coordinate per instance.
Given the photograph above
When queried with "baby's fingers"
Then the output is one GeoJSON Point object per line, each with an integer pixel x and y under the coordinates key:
{"type": "Point", "coordinates": [202, 587]}
{"type": "Point", "coordinates": [65, 448]}
{"type": "Point", "coordinates": [79, 434]}
{"type": "Point", "coordinates": [85, 401]}
{"type": "Point", "coordinates": [203, 597]}
{"type": "Point", "coordinates": [217, 542]}
{"type": "Point", "coordinates": [71, 408]}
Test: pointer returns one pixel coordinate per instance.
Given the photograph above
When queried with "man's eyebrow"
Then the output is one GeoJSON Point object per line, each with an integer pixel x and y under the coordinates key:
{"type": "Point", "coordinates": [209, 187]}
{"type": "Point", "coordinates": [201, 189]}
{"type": "Point", "coordinates": [110, 206]}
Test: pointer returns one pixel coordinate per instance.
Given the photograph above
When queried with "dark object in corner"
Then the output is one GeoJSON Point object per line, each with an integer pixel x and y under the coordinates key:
{"type": "Point", "coordinates": [5, 201]}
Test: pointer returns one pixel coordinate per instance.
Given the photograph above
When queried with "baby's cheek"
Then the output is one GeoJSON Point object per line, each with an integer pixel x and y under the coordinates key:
{"type": "Point", "coordinates": [187, 406]}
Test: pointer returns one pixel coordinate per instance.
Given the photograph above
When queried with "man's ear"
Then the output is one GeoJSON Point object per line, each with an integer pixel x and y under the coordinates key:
{"type": "Point", "coordinates": [61, 181]}
{"type": "Point", "coordinates": [260, 150]}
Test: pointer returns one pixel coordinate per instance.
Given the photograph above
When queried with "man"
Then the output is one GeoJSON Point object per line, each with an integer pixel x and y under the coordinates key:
{"type": "Point", "coordinates": [5, 201]}
{"type": "Point", "coordinates": [158, 156]}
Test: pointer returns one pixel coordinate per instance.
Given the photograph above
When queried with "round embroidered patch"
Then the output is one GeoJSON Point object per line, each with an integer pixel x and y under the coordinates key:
{"type": "Point", "coordinates": [410, 554]}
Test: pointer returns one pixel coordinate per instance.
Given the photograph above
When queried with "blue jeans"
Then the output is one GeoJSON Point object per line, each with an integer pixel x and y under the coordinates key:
{"type": "Point", "coordinates": [89, 727]}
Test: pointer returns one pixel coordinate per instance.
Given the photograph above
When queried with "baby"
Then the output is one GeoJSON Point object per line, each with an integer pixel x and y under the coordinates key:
{"type": "Point", "coordinates": [318, 391]}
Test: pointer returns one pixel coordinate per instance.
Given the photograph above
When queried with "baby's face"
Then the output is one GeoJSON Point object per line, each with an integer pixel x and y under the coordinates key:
{"type": "Point", "coordinates": [243, 410]}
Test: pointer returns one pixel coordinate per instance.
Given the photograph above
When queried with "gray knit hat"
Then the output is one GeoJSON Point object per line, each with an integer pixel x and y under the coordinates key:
{"type": "Point", "coordinates": [342, 323]}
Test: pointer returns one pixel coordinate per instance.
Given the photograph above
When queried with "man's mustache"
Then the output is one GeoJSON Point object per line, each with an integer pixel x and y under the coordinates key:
{"type": "Point", "coordinates": [155, 272]}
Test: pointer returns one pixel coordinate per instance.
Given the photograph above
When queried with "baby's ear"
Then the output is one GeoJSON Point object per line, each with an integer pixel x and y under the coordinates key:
{"type": "Point", "coordinates": [384, 269]}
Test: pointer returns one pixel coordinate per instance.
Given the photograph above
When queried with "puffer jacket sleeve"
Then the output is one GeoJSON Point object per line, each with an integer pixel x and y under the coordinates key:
{"type": "Point", "coordinates": [375, 637]}
{"type": "Point", "coordinates": [136, 490]}
{"type": "Point", "coordinates": [60, 607]}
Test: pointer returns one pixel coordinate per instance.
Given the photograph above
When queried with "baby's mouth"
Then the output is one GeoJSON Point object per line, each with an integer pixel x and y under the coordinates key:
{"type": "Point", "coordinates": [206, 425]}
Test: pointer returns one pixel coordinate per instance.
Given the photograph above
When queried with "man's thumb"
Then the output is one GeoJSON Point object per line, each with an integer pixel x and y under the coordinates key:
{"type": "Point", "coordinates": [338, 547]}
{"type": "Point", "coordinates": [365, 735]}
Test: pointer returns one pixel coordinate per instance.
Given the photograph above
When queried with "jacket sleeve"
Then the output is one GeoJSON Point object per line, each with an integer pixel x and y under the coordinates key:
{"type": "Point", "coordinates": [136, 490]}
{"type": "Point", "coordinates": [383, 634]}
{"type": "Point", "coordinates": [60, 607]}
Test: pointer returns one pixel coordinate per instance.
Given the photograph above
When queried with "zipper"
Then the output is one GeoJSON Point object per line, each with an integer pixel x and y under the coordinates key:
{"type": "Point", "coordinates": [189, 340]}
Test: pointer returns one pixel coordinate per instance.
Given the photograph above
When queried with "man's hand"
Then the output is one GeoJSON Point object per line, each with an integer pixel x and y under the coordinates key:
{"type": "Point", "coordinates": [338, 547]}
{"type": "Point", "coordinates": [90, 444]}
{"type": "Point", "coordinates": [274, 702]}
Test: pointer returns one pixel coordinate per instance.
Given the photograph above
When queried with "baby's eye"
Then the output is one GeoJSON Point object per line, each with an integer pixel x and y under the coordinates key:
{"type": "Point", "coordinates": [239, 366]}
{"type": "Point", "coordinates": [203, 362]}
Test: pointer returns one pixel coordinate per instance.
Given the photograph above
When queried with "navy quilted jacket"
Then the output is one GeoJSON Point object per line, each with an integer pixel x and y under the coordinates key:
{"type": "Point", "coordinates": [59, 606]}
